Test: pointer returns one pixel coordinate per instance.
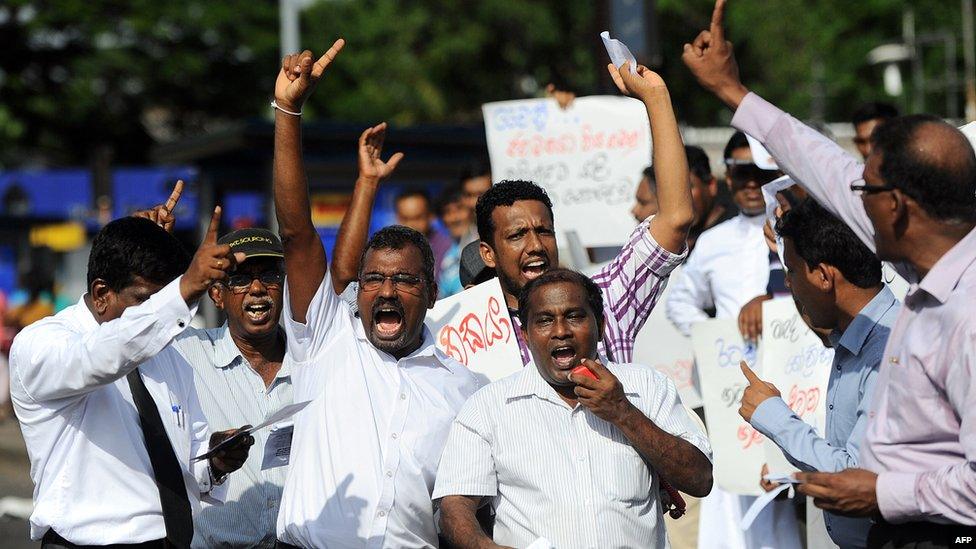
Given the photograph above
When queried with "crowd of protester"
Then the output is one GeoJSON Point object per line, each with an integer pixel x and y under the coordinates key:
{"type": "Point", "coordinates": [133, 418]}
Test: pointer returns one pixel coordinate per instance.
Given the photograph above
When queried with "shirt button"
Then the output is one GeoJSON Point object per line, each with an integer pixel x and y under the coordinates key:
{"type": "Point", "coordinates": [389, 474]}
{"type": "Point", "coordinates": [382, 513]}
{"type": "Point", "coordinates": [831, 406]}
{"type": "Point", "coordinates": [403, 396]}
{"type": "Point", "coordinates": [838, 367]}
{"type": "Point", "coordinates": [181, 324]}
{"type": "Point", "coordinates": [394, 435]}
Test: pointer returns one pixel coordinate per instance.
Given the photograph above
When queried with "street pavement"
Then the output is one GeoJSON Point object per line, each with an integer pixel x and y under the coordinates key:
{"type": "Point", "coordinates": [14, 483]}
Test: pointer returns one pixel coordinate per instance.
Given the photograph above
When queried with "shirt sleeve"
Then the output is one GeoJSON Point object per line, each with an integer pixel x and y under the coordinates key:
{"type": "Point", "coordinates": [798, 440]}
{"type": "Point", "coordinates": [467, 466]}
{"type": "Point", "coordinates": [200, 443]}
{"type": "Point", "coordinates": [672, 416]}
{"type": "Point", "coordinates": [818, 164]}
{"type": "Point", "coordinates": [51, 361]}
{"type": "Point", "coordinates": [948, 493]}
{"type": "Point", "coordinates": [326, 317]}
{"type": "Point", "coordinates": [631, 285]}
{"type": "Point", "coordinates": [690, 296]}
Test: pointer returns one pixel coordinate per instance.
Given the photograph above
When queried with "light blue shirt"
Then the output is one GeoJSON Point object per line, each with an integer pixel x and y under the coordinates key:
{"type": "Point", "coordinates": [232, 395]}
{"type": "Point", "coordinates": [857, 355]}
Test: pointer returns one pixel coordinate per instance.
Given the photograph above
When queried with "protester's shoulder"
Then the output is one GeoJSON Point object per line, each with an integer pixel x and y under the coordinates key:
{"type": "Point", "coordinates": [59, 328]}
{"type": "Point", "coordinates": [491, 395]}
{"type": "Point", "coordinates": [466, 380]}
{"type": "Point", "coordinates": [716, 237]}
{"type": "Point", "coordinates": [648, 382]}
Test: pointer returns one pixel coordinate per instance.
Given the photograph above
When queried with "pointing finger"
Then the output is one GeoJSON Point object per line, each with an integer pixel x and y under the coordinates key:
{"type": "Point", "coordinates": [211, 237]}
{"type": "Point", "coordinates": [718, 14]}
{"type": "Point", "coordinates": [174, 196]}
{"type": "Point", "coordinates": [327, 58]}
{"type": "Point", "coordinates": [750, 375]}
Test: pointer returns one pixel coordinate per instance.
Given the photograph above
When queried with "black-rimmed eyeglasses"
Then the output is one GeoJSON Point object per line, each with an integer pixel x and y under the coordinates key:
{"type": "Point", "coordinates": [860, 188]}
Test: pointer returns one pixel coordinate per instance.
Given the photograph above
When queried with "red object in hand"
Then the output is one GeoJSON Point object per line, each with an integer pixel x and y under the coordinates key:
{"type": "Point", "coordinates": [583, 371]}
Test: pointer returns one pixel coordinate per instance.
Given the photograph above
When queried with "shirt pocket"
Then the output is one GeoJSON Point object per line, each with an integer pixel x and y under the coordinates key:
{"type": "Point", "coordinates": [624, 476]}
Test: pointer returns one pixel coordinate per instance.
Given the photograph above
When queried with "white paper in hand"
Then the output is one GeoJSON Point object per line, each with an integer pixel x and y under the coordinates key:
{"type": "Point", "coordinates": [785, 478]}
{"type": "Point", "coordinates": [619, 52]}
{"type": "Point", "coordinates": [760, 504]}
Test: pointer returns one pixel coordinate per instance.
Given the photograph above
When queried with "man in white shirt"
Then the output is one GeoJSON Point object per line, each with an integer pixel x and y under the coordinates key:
{"type": "Point", "coordinates": [243, 375]}
{"type": "Point", "coordinates": [365, 451]}
{"type": "Point", "coordinates": [562, 456]}
{"type": "Point", "coordinates": [108, 411]}
{"type": "Point", "coordinates": [730, 263]}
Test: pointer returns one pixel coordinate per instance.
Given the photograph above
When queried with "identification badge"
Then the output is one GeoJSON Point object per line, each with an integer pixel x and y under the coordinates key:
{"type": "Point", "coordinates": [277, 450]}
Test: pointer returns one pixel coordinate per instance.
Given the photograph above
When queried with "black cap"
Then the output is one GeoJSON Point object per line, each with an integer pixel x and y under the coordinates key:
{"type": "Point", "coordinates": [472, 269]}
{"type": "Point", "coordinates": [253, 243]}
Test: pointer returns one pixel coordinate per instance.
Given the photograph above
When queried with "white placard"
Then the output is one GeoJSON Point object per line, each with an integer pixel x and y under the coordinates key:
{"type": "Point", "coordinates": [797, 363]}
{"type": "Point", "coordinates": [474, 328]}
{"type": "Point", "coordinates": [660, 345]}
{"type": "Point", "coordinates": [589, 158]}
{"type": "Point", "coordinates": [736, 446]}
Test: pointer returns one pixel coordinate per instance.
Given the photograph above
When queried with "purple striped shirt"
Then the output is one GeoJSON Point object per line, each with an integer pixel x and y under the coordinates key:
{"type": "Point", "coordinates": [631, 285]}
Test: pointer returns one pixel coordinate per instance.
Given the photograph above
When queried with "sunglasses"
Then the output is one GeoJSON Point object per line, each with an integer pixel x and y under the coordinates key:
{"type": "Point", "coordinates": [742, 174]}
{"type": "Point", "coordinates": [240, 282]}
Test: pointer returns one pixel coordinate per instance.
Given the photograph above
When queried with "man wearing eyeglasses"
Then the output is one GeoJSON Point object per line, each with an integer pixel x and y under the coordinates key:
{"type": "Point", "coordinates": [242, 374]}
{"type": "Point", "coordinates": [913, 202]}
{"type": "Point", "coordinates": [383, 396]}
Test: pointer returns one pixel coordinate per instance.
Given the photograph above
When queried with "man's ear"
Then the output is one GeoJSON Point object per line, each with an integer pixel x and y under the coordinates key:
{"type": "Point", "coordinates": [102, 296]}
{"type": "Point", "coordinates": [900, 206]}
{"type": "Point", "coordinates": [487, 255]}
{"type": "Point", "coordinates": [712, 186]}
{"type": "Point", "coordinates": [216, 295]}
{"type": "Point", "coordinates": [431, 294]}
{"type": "Point", "coordinates": [825, 276]}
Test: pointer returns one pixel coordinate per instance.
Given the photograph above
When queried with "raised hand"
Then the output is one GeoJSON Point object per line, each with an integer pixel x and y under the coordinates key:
{"type": "Point", "coordinates": [371, 166]}
{"type": "Point", "coordinates": [210, 264]}
{"type": "Point", "coordinates": [639, 85]}
{"type": "Point", "coordinates": [162, 214]}
{"type": "Point", "coordinates": [754, 395]}
{"type": "Point", "coordinates": [299, 75]}
{"type": "Point", "coordinates": [712, 60]}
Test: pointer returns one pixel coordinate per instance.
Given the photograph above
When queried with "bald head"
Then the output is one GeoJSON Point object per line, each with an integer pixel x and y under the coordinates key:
{"type": "Point", "coordinates": [930, 161]}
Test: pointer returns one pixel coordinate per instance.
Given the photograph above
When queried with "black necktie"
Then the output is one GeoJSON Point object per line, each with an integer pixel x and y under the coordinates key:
{"type": "Point", "coordinates": [166, 468]}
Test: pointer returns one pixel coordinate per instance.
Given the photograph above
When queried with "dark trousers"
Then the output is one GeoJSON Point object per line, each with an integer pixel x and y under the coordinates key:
{"type": "Point", "coordinates": [920, 535]}
{"type": "Point", "coordinates": [52, 540]}
{"type": "Point", "coordinates": [282, 545]}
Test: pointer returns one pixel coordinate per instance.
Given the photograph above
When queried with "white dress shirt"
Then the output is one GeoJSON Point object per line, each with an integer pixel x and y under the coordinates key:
{"type": "Point", "coordinates": [365, 452]}
{"type": "Point", "coordinates": [729, 266]}
{"type": "Point", "coordinates": [559, 472]}
{"type": "Point", "coordinates": [232, 394]}
{"type": "Point", "coordinates": [93, 483]}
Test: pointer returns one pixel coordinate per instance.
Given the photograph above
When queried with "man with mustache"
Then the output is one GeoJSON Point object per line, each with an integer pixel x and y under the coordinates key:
{"type": "Point", "coordinates": [365, 451]}
{"type": "Point", "coordinates": [518, 239]}
{"type": "Point", "coordinates": [243, 374]}
{"type": "Point", "coordinates": [563, 456]}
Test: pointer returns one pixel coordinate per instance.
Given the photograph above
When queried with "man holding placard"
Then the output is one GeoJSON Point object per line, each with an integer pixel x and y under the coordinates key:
{"type": "Point", "coordinates": [912, 203]}
{"type": "Point", "coordinates": [836, 281]}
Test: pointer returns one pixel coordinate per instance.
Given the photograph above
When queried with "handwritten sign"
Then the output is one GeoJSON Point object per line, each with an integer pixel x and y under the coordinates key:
{"type": "Point", "coordinates": [589, 158]}
{"type": "Point", "coordinates": [797, 363]}
{"type": "Point", "coordinates": [660, 345]}
{"type": "Point", "coordinates": [474, 328]}
{"type": "Point", "coordinates": [736, 446]}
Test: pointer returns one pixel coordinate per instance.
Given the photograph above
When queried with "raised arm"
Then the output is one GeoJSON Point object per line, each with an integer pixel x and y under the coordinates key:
{"type": "Point", "coordinates": [305, 259]}
{"type": "Point", "coordinates": [670, 226]}
{"type": "Point", "coordinates": [354, 229]}
{"type": "Point", "coordinates": [814, 161]}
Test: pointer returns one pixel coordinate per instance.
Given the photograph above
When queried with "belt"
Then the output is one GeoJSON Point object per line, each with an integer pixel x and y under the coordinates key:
{"type": "Point", "coordinates": [52, 540]}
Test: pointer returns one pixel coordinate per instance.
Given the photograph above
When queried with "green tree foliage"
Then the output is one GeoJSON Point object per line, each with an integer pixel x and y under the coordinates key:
{"type": "Point", "coordinates": [81, 77]}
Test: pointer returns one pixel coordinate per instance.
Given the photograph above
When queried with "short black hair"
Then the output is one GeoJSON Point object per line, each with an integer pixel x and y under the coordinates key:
{"type": "Point", "coordinates": [819, 237]}
{"type": "Point", "coordinates": [737, 141]}
{"type": "Point", "coordinates": [873, 110]}
{"type": "Point", "coordinates": [594, 297]}
{"type": "Point", "coordinates": [477, 167]}
{"type": "Point", "coordinates": [135, 246]}
{"type": "Point", "coordinates": [411, 192]}
{"type": "Point", "coordinates": [944, 187]}
{"type": "Point", "coordinates": [648, 174]}
{"type": "Point", "coordinates": [451, 194]}
{"type": "Point", "coordinates": [506, 193]}
{"type": "Point", "coordinates": [396, 237]}
{"type": "Point", "coordinates": [698, 163]}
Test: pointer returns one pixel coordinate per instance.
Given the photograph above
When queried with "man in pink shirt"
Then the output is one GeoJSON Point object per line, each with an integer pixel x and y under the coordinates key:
{"type": "Point", "coordinates": [914, 203]}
